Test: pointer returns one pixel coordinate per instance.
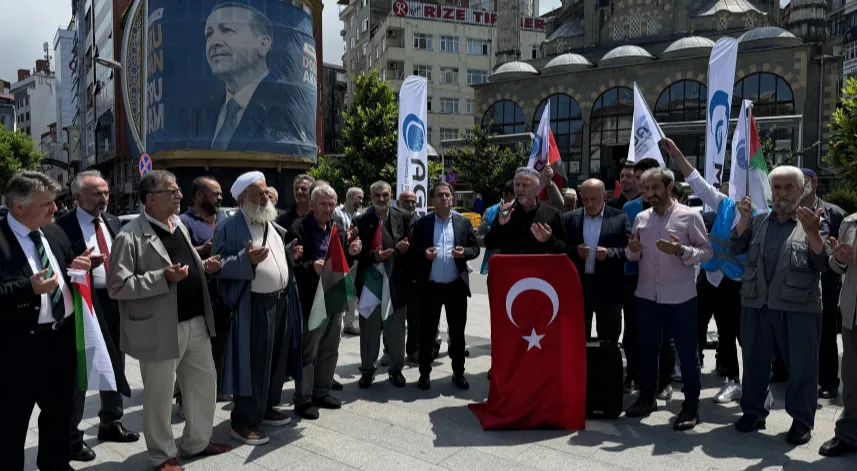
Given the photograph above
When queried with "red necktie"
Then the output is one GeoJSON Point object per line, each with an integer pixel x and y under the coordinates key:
{"type": "Point", "coordinates": [102, 244]}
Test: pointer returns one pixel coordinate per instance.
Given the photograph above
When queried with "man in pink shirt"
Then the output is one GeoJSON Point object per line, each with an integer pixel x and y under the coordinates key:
{"type": "Point", "coordinates": [669, 239]}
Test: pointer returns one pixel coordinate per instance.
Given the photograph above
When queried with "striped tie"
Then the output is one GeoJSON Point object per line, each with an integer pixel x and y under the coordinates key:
{"type": "Point", "coordinates": [57, 302]}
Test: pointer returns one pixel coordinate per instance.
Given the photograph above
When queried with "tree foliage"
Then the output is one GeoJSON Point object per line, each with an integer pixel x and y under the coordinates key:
{"type": "Point", "coordinates": [369, 138]}
{"type": "Point", "coordinates": [486, 167]}
{"type": "Point", "coordinates": [842, 144]}
{"type": "Point", "coordinates": [17, 152]}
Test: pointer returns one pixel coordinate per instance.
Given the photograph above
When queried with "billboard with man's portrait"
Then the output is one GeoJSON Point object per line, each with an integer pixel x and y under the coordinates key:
{"type": "Point", "coordinates": [230, 76]}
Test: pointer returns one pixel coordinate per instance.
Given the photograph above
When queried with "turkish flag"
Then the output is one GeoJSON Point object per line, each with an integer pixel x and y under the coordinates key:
{"type": "Point", "coordinates": [538, 345]}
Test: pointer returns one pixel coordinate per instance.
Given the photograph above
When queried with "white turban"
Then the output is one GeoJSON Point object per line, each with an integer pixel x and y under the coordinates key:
{"type": "Point", "coordinates": [244, 181]}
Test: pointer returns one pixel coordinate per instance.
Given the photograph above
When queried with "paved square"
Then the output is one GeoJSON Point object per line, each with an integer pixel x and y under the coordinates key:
{"type": "Point", "coordinates": [385, 428]}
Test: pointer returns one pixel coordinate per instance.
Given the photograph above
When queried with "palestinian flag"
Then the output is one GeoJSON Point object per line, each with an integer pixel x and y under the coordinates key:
{"type": "Point", "coordinates": [749, 174]}
{"type": "Point", "coordinates": [335, 288]}
{"type": "Point", "coordinates": [94, 369]}
{"type": "Point", "coordinates": [376, 286]}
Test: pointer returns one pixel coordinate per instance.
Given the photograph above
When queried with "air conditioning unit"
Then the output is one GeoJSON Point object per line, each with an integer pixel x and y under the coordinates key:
{"type": "Point", "coordinates": [391, 33]}
{"type": "Point", "coordinates": [342, 33]}
{"type": "Point", "coordinates": [394, 65]}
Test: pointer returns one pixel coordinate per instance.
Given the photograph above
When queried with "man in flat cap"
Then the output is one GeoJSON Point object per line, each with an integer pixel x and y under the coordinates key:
{"type": "Point", "coordinates": [257, 281]}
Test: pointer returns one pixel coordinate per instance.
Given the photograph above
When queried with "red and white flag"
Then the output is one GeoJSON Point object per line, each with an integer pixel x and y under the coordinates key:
{"type": "Point", "coordinates": [538, 345]}
{"type": "Point", "coordinates": [545, 152]}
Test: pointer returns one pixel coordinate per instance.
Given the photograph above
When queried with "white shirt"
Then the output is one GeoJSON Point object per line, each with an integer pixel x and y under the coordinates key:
{"type": "Point", "coordinates": [22, 233]}
{"type": "Point", "coordinates": [173, 219]}
{"type": "Point", "coordinates": [99, 274]}
{"type": "Point", "coordinates": [591, 234]}
{"type": "Point", "coordinates": [344, 216]}
{"type": "Point", "coordinates": [272, 274]}
{"type": "Point", "coordinates": [242, 99]}
{"type": "Point", "coordinates": [712, 198]}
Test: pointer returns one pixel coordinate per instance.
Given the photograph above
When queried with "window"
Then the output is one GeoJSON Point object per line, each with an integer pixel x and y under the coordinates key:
{"type": "Point", "coordinates": [447, 134]}
{"type": "Point", "coordinates": [750, 22]}
{"type": "Point", "coordinates": [505, 117]}
{"type": "Point", "coordinates": [365, 46]}
{"type": "Point", "coordinates": [428, 104]}
{"type": "Point", "coordinates": [685, 101]}
{"type": "Point", "coordinates": [609, 127]}
{"type": "Point", "coordinates": [448, 75]}
{"type": "Point", "coordinates": [423, 41]}
{"type": "Point", "coordinates": [477, 47]}
{"type": "Point", "coordinates": [353, 42]}
{"type": "Point", "coordinates": [566, 125]}
{"type": "Point", "coordinates": [423, 71]}
{"type": "Point", "coordinates": [475, 76]}
{"type": "Point", "coordinates": [449, 44]}
{"type": "Point", "coordinates": [635, 29]}
{"type": "Point", "coordinates": [468, 106]}
{"type": "Point", "coordinates": [364, 25]}
{"type": "Point", "coordinates": [363, 3]}
{"type": "Point", "coordinates": [377, 52]}
{"type": "Point", "coordinates": [28, 116]}
{"type": "Point", "coordinates": [449, 105]}
{"type": "Point", "coordinates": [428, 131]}
{"type": "Point", "coordinates": [771, 96]}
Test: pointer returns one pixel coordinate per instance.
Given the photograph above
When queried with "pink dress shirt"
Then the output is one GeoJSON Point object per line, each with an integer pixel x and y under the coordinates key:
{"type": "Point", "coordinates": [665, 278]}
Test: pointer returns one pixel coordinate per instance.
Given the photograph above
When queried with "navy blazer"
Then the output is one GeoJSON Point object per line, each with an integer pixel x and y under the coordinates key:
{"type": "Point", "coordinates": [615, 234]}
{"type": "Point", "coordinates": [397, 227]}
{"type": "Point", "coordinates": [70, 224]}
{"type": "Point", "coordinates": [423, 238]}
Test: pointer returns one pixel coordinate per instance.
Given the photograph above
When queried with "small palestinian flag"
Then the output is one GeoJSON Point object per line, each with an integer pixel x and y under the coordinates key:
{"type": "Point", "coordinates": [94, 368]}
{"type": "Point", "coordinates": [376, 286]}
{"type": "Point", "coordinates": [335, 288]}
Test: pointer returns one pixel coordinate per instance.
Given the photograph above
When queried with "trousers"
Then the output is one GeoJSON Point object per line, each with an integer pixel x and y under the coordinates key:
{"type": "Point", "coordinates": [453, 298]}
{"type": "Point", "coordinates": [630, 341]}
{"type": "Point", "coordinates": [724, 303]}
{"type": "Point", "coordinates": [846, 424]}
{"type": "Point", "coordinates": [320, 350]}
{"type": "Point", "coordinates": [828, 351]}
{"type": "Point", "coordinates": [606, 310]}
{"type": "Point", "coordinates": [371, 329]}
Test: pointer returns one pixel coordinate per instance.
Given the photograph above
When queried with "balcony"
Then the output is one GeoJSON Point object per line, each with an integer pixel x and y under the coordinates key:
{"type": "Point", "coordinates": [395, 37]}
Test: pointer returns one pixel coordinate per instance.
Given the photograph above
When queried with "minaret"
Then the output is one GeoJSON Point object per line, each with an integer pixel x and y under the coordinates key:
{"type": "Point", "coordinates": [508, 47]}
{"type": "Point", "coordinates": [807, 20]}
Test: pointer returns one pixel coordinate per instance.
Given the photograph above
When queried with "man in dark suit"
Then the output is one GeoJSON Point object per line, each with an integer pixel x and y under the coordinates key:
{"type": "Point", "coordinates": [597, 237]}
{"type": "Point", "coordinates": [90, 227]}
{"type": "Point", "coordinates": [391, 254]}
{"type": "Point", "coordinates": [250, 114]}
{"type": "Point", "coordinates": [38, 335]}
{"type": "Point", "coordinates": [443, 243]}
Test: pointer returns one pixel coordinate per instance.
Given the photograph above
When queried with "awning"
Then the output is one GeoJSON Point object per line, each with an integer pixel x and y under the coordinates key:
{"type": "Point", "coordinates": [698, 127]}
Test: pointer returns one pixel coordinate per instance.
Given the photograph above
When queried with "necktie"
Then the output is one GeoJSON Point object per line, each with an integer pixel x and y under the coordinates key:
{"type": "Point", "coordinates": [57, 302]}
{"type": "Point", "coordinates": [230, 124]}
{"type": "Point", "coordinates": [102, 243]}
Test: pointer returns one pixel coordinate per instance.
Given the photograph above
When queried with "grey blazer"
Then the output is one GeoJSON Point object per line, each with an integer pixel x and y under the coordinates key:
{"type": "Point", "coordinates": [848, 293]}
{"type": "Point", "coordinates": [148, 315]}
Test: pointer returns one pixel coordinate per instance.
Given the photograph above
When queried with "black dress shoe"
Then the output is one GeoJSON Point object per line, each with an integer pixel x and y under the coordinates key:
{"type": "Point", "coordinates": [398, 380]}
{"type": "Point", "coordinates": [687, 419]}
{"type": "Point", "coordinates": [82, 453]}
{"type": "Point", "coordinates": [327, 402]}
{"type": "Point", "coordinates": [799, 434]}
{"type": "Point", "coordinates": [307, 411]}
{"type": "Point", "coordinates": [366, 381]}
{"type": "Point", "coordinates": [748, 423]}
{"type": "Point", "coordinates": [116, 432]}
{"type": "Point", "coordinates": [460, 382]}
{"type": "Point", "coordinates": [828, 393]}
{"type": "Point", "coordinates": [643, 407]}
{"type": "Point", "coordinates": [489, 374]}
{"type": "Point", "coordinates": [336, 385]}
{"type": "Point", "coordinates": [836, 447]}
{"type": "Point", "coordinates": [424, 383]}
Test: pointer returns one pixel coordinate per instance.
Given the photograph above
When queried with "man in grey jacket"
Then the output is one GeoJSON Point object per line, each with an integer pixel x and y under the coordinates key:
{"type": "Point", "coordinates": [781, 300]}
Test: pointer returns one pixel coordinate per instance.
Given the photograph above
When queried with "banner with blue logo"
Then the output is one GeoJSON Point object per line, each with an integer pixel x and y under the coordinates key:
{"type": "Point", "coordinates": [412, 163]}
{"type": "Point", "coordinates": [721, 82]}
{"type": "Point", "coordinates": [646, 132]}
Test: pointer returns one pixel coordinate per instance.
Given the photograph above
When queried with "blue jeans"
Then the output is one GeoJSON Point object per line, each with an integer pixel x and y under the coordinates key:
{"type": "Point", "coordinates": [679, 321]}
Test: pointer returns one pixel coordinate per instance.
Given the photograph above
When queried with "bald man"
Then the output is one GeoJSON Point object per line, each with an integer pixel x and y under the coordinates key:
{"type": "Point", "coordinates": [597, 237]}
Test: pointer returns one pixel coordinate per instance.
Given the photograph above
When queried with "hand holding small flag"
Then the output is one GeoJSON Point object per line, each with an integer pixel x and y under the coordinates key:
{"type": "Point", "coordinates": [81, 262]}
{"type": "Point", "coordinates": [355, 247]}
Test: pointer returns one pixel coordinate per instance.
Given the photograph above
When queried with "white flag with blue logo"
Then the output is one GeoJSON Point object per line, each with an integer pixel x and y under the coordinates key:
{"type": "Point", "coordinates": [645, 134]}
{"type": "Point", "coordinates": [412, 162]}
{"type": "Point", "coordinates": [721, 81]}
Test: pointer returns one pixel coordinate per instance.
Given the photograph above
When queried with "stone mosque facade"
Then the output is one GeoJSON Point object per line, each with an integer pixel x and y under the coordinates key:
{"type": "Point", "coordinates": [597, 49]}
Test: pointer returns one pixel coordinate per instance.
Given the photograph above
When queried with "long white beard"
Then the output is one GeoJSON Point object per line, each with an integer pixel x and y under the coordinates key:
{"type": "Point", "coordinates": [258, 214]}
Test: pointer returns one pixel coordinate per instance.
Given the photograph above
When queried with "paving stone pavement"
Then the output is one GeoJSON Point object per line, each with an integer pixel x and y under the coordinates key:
{"type": "Point", "coordinates": [385, 428]}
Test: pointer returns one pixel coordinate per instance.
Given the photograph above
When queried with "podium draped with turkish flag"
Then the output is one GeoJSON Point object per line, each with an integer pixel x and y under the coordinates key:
{"type": "Point", "coordinates": [538, 347]}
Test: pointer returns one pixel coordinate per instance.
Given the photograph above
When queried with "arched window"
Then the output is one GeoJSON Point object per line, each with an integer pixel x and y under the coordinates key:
{"type": "Point", "coordinates": [610, 131]}
{"type": "Point", "coordinates": [505, 117]}
{"type": "Point", "coordinates": [684, 100]}
{"type": "Point", "coordinates": [566, 125]}
{"type": "Point", "coordinates": [771, 96]}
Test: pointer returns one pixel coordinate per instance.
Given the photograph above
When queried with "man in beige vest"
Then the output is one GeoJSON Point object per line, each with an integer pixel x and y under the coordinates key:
{"type": "Point", "coordinates": [781, 300]}
{"type": "Point", "coordinates": [166, 321]}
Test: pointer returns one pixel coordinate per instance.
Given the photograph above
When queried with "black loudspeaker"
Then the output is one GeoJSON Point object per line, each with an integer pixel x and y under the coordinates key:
{"type": "Point", "coordinates": [604, 376]}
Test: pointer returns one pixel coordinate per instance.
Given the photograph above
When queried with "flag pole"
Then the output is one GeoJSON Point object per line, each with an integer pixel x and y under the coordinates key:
{"type": "Point", "coordinates": [747, 124]}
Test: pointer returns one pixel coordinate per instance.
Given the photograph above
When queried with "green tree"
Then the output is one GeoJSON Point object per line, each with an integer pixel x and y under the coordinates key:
{"type": "Point", "coordinates": [842, 144]}
{"type": "Point", "coordinates": [17, 152]}
{"type": "Point", "coordinates": [486, 167]}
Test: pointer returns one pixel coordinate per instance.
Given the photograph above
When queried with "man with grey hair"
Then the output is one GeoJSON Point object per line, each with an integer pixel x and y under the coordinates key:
{"type": "Point", "coordinates": [38, 334]}
{"type": "Point", "coordinates": [320, 344]}
{"type": "Point", "coordinates": [166, 321]}
{"type": "Point", "coordinates": [669, 240]}
{"type": "Point", "coordinates": [301, 191]}
{"type": "Point", "coordinates": [344, 214]}
{"type": "Point", "coordinates": [525, 225]}
{"type": "Point", "coordinates": [90, 227]}
{"type": "Point", "coordinates": [257, 281]}
{"type": "Point", "coordinates": [274, 196]}
{"type": "Point", "coordinates": [787, 251]}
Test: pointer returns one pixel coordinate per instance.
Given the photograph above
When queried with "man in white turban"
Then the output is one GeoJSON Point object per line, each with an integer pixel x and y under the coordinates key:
{"type": "Point", "coordinates": [257, 282]}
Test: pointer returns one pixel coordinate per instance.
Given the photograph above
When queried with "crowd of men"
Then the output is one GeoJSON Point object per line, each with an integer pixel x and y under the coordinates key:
{"type": "Point", "coordinates": [217, 308]}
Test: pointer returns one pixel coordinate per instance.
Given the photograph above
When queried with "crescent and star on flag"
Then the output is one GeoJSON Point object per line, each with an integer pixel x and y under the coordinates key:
{"type": "Point", "coordinates": [535, 284]}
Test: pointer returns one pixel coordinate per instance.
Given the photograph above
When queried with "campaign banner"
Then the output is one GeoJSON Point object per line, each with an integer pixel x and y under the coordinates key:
{"type": "Point", "coordinates": [454, 14]}
{"type": "Point", "coordinates": [721, 81]}
{"type": "Point", "coordinates": [412, 162]}
{"type": "Point", "coordinates": [229, 76]}
{"type": "Point", "coordinates": [646, 133]}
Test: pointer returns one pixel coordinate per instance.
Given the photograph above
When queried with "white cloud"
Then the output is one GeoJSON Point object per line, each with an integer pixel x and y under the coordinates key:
{"type": "Point", "coordinates": [24, 26]}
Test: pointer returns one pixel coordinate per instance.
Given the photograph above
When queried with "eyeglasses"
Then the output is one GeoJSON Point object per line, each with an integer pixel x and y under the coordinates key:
{"type": "Point", "coordinates": [174, 191]}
